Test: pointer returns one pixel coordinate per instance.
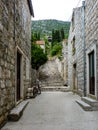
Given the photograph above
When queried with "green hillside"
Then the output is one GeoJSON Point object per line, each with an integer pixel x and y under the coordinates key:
{"type": "Point", "coordinates": [45, 27]}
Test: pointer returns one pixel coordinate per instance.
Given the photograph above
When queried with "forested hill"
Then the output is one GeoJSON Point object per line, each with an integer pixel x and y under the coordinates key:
{"type": "Point", "coordinates": [45, 27]}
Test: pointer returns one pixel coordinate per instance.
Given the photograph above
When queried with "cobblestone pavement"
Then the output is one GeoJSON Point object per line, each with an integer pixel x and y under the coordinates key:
{"type": "Point", "coordinates": [55, 111]}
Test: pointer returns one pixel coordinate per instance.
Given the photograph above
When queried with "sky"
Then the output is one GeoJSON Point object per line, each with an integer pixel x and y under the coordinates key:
{"type": "Point", "coordinates": [54, 9]}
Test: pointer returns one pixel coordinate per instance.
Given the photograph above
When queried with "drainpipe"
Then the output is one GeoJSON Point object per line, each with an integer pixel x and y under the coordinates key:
{"type": "Point", "coordinates": [14, 8]}
{"type": "Point", "coordinates": [14, 40]}
{"type": "Point", "coordinates": [83, 28]}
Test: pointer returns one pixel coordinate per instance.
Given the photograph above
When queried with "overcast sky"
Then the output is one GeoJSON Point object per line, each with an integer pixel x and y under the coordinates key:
{"type": "Point", "coordinates": [54, 9]}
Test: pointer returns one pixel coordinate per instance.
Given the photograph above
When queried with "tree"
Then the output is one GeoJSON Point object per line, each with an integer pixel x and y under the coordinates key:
{"type": "Point", "coordinates": [59, 39]}
{"type": "Point", "coordinates": [35, 36]}
{"type": "Point", "coordinates": [56, 50]}
{"type": "Point", "coordinates": [53, 39]}
{"type": "Point", "coordinates": [62, 34]}
{"type": "Point", "coordinates": [38, 57]}
{"type": "Point", "coordinates": [56, 36]}
{"type": "Point", "coordinates": [38, 36]}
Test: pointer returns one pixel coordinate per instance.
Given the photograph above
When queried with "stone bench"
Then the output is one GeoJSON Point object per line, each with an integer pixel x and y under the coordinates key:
{"type": "Point", "coordinates": [17, 112]}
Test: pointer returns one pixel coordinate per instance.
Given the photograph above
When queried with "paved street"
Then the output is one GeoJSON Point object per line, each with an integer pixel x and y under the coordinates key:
{"type": "Point", "coordinates": [55, 111]}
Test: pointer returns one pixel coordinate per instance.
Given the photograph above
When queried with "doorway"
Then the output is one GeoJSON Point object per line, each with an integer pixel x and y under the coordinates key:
{"type": "Point", "coordinates": [75, 77]}
{"type": "Point", "coordinates": [18, 88]}
{"type": "Point", "coordinates": [91, 73]}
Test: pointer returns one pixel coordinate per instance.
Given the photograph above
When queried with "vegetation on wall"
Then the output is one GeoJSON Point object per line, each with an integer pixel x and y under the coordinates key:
{"type": "Point", "coordinates": [38, 57]}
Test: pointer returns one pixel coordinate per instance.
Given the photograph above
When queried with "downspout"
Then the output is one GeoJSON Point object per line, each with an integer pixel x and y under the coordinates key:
{"type": "Point", "coordinates": [14, 8]}
{"type": "Point", "coordinates": [83, 28]}
{"type": "Point", "coordinates": [14, 40]}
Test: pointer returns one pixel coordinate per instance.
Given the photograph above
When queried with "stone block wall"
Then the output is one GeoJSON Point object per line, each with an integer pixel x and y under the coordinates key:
{"type": "Point", "coordinates": [59, 65]}
{"type": "Point", "coordinates": [91, 22]}
{"type": "Point", "coordinates": [7, 59]}
{"type": "Point", "coordinates": [34, 76]}
{"type": "Point", "coordinates": [91, 36]}
{"type": "Point", "coordinates": [76, 34]}
{"type": "Point", "coordinates": [70, 57]}
{"type": "Point", "coordinates": [85, 33]}
{"type": "Point", "coordinates": [15, 34]}
{"type": "Point", "coordinates": [65, 60]}
{"type": "Point", "coordinates": [23, 40]}
{"type": "Point", "coordinates": [62, 63]}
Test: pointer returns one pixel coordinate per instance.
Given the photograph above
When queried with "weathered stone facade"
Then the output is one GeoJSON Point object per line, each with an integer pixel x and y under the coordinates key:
{"type": "Point", "coordinates": [62, 62]}
{"type": "Point", "coordinates": [91, 42]}
{"type": "Point", "coordinates": [82, 49]}
{"type": "Point", "coordinates": [76, 51]}
{"type": "Point", "coordinates": [15, 53]}
{"type": "Point", "coordinates": [65, 60]}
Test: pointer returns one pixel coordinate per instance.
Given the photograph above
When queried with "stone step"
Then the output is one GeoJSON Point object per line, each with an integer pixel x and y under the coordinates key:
{"type": "Point", "coordinates": [90, 101]}
{"type": "Point", "coordinates": [52, 81]}
{"type": "Point", "coordinates": [17, 112]}
{"type": "Point", "coordinates": [53, 88]}
{"type": "Point", "coordinates": [84, 105]}
{"type": "Point", "coordinates": [43, 85]}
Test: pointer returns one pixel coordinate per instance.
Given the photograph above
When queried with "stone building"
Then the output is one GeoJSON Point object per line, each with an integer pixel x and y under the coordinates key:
{"type": "Point", "coordinates": [82, 49]}
{"type": "Point", "coordinates": [76, 51]}
{"type": "Point", "coordinates": [62, 62]}
{"type": "Point", "coordinates": [41, 43]}
{"type": "Point", "coordinates": [15, 53]}
{"type": "Point", "coordinates": [91, 46]}
{"type": "Point", "coordinates": [65, 61]}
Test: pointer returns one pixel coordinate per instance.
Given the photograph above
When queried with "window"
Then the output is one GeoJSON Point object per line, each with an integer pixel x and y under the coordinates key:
{"type": "Point", "coordinates": [73, 46]}
{"type": "Point", "coordinates": [73, 22]}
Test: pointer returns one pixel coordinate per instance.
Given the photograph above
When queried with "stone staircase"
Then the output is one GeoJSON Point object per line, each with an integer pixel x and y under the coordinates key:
{"type": "Point", "coordinates": [50, 78]}
{"type": "Point", "coordinates": [53, 85]}
{"type": "Point", "coordinates": [52, 88]}
{"type": "Point", "coordinates": [88, 104]}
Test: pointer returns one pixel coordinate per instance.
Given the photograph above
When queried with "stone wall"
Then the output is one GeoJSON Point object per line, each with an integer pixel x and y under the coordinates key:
{"type": "Point", "coordinates": [15, 34]}
{"type": "Point", "coordinates": [62, 63]}
{"type": "Point", "coordinates": [91, 22]}
{"type": "Point", "coordinates": [75, 51]}
{"type": "Point", "coordinates": [91, 37]}
{"type": "Point", "coordinates": [34, 76]}
{"type": "Point", "coordinates": [7, 59]}
{"type": "Point", "coordinates": [65, 60]}
{"type": "Point", "coordinates": [22, 40]}
{"type": "Point", "coordinates": [83, 33]}
{"type": "Point", "coordinates": [59, 65]}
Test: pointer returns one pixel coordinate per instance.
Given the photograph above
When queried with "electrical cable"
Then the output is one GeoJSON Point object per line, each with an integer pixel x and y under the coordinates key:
{"type": "Point", "coordinates": [75, 7]}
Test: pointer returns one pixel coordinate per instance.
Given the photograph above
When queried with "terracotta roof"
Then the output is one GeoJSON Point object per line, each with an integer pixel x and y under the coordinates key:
{"type": "Point", "coordinates": [31, 7]}
{"type": "Point", "coordinates": [40, 42]}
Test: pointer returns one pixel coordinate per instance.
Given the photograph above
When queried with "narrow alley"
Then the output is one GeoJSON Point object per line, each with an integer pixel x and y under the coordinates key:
{"type": "Point", "coordinates": [55, 111]}
{"type": "Point", "coordinates": [48, 65]}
